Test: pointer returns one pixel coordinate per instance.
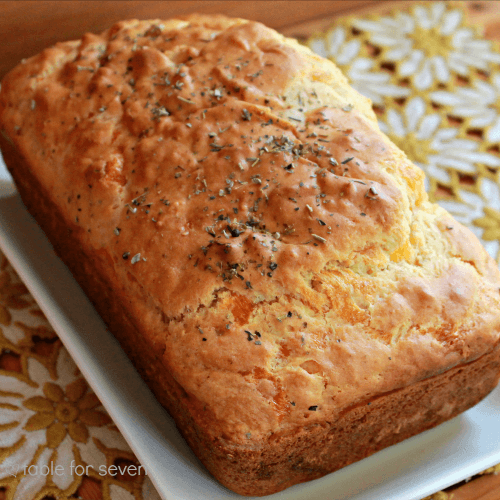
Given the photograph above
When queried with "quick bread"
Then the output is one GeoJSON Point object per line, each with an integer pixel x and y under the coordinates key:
{"type": "Point", "coordinates": [267, 258]}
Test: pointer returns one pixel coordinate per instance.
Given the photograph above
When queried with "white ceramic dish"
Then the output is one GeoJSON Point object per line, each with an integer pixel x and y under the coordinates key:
{"type": "Point", "coordinates": [410, 470]}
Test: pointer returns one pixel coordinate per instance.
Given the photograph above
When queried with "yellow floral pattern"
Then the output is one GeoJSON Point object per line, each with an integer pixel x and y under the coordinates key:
{"type": "Point", "coordinates": [12, 296]}
{"type": "Point", "coordinates": [49, 417]}
{"type": "Point", "coordinates": [490, 223]}
{"type": "Point", "coordinates": [61, 412]}
{"type": "Point", "coordinates": [435, 85]}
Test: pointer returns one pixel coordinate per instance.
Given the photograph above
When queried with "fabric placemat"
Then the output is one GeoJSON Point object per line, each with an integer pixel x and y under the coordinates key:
{"type": "Point", "coordinates": [56, 440]}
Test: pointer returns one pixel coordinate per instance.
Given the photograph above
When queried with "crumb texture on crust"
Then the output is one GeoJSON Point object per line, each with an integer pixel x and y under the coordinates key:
{"type": "Point", "coordinates": [276, 251]}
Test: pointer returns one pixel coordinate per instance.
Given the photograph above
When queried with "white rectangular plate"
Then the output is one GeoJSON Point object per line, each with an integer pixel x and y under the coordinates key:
{"type": "Point", "coordinates": [410, 470]}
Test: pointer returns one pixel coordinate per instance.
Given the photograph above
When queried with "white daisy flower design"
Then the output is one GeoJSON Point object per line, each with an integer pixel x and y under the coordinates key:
{"type": "Point", "coordinates": [429, 44]}
{"type": "Point", "coordinates": [54, 424]}
{"type": "Point", "coordinates": [412, 131]}
{"type": "Point", "coordinates": [459, 154]}
{"type": "Point", "coordinates": [375, 85]}
{"type": "Point", "coordinates": [478, 104]}
{"type": "Point", "coordinates": [334, 45]}
{"type": "Point", "coordinates": [360, 70]}
{"type": "Point", "coordinates": [438, 151]}
{"type": "Point", "coordinates": [480, 213]}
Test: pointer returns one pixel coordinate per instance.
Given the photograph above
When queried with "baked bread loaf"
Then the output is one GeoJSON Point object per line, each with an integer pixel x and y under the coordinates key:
{"type": "Point", "coordinates": [266, 256]}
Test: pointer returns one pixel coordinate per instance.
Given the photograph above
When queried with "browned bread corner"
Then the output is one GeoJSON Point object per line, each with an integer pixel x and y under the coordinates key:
{"type": "Point", "coordinates": [265, 255]}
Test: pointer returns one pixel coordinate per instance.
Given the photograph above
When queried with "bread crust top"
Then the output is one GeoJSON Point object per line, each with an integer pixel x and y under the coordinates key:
{"type": "Point", "coordinates": [277, 251]}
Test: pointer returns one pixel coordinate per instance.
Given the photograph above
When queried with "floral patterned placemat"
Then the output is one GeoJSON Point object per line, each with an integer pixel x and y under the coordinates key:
{"type": "Point", "coordinates": [56, 440]}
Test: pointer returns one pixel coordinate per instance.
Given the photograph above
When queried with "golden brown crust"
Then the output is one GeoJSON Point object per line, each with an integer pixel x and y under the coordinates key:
{"type": "Point", "coordinates": [285, 459]}
{"type": "Point", "coordinates": [276, 254]}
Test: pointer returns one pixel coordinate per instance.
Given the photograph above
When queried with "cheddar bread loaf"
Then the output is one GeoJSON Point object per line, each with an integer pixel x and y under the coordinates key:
{"type": "Point", "coordinates": [266, 256]}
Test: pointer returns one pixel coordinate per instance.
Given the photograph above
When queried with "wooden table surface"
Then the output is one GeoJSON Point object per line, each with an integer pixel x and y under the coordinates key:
{"type": "Point", "coordinates": [26, 27]}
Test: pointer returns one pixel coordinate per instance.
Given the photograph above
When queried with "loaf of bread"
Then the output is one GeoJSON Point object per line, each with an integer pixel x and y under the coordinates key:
{"type": "Point", "coordinates": [267, 258]}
